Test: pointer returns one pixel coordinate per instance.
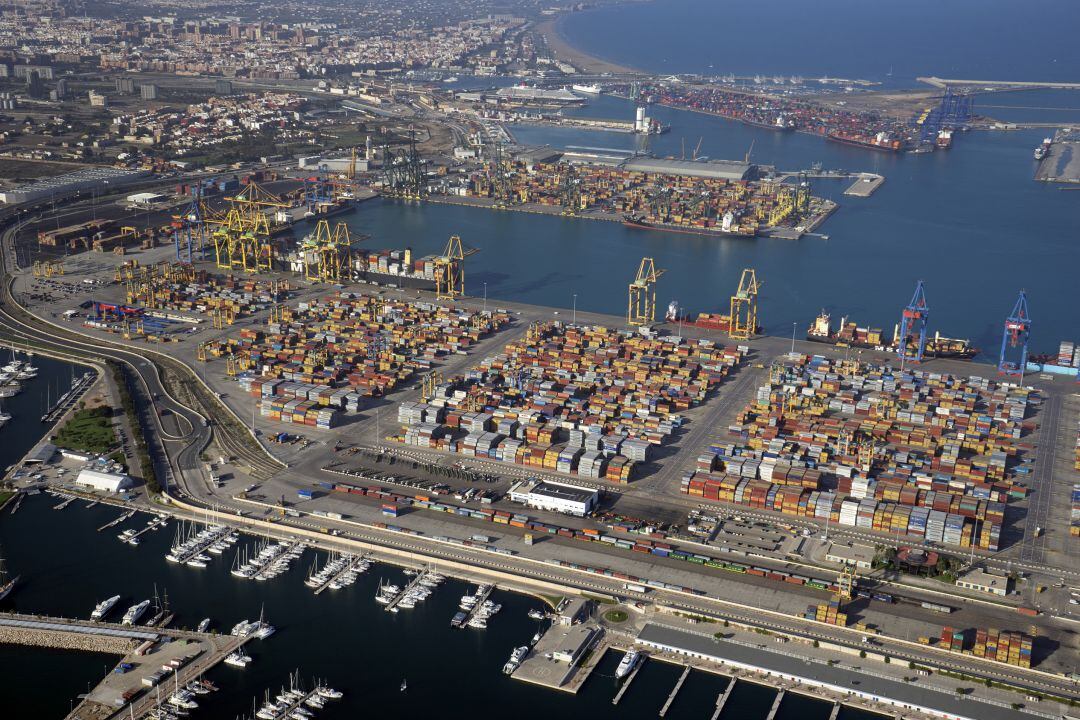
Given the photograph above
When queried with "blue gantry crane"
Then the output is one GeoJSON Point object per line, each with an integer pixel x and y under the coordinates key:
{"type": "Point", "coordinates": [317, 192]}
{"type": "Point", "coordinates": [911, 344]}
{"type": "Point", "coordinates": [189, 229]}
{"type": "Point", "coordinates": [1014, 339]}
{"type": "Point", "coordinates": [953, 112]}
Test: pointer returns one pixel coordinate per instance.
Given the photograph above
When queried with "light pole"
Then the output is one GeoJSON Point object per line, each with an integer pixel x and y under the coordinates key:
{"type": "Point", "coordinates": [793, 326]}
{"type": "Point", "coordinates": [485, 298]}
{"type": "Point", "coordinates": [574, 322]}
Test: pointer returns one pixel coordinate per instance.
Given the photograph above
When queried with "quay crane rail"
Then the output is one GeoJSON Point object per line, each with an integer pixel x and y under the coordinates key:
{"type": "Point", "coordinates": [641, 305]}
{"type": "Point", "coordinates": [1015, 337]}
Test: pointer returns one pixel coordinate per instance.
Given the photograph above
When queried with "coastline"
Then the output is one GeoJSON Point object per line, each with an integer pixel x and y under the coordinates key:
{"type": "Point", "coordinates": [583, 61]}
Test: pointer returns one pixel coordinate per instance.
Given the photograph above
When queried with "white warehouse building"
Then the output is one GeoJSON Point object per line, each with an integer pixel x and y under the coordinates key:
{"type": "Point", "coordinates": [555, 497]}
{"type": "Point", "coordinates": [109, 482]}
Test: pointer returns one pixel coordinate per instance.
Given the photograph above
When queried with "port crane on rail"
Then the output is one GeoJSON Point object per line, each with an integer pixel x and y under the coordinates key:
{"type": "Point", "coordinates": [1014, 338]}
{"type": "Point", "coordinates": [912, 340]}
{"type": "Point", "coordinates": [641, 308]}
{"type": "Point", "coordinates": [743, 308]}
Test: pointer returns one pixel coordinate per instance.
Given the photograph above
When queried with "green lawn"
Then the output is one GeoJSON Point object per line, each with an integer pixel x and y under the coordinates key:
{"type": "Point", "coordinates": [87, 430]}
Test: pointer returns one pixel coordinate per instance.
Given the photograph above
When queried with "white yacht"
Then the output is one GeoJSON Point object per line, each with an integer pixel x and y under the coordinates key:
{"type": "Point", "coordinates": [515, 659]}
{"type": "Point", "coordinates": [329, 693]}
{"type": "Point", "coordinates": [203, 626]}
{"type": "Point", "coordinates": [629, 661]}
{"type": "Point", "coordinates": [135, 612]}
{"type": "Point", "coordinates": [102, 608]}
{"type": "Point", "coordinates": [237, 659]}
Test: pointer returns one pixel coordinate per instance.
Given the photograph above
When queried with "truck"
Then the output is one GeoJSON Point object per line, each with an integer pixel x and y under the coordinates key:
{"type": "Point", "coordinates": [634, 587]}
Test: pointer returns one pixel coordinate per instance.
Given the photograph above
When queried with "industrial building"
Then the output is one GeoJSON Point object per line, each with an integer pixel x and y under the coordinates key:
{"type": "Point", "coordinates": [860, 556]}
{"type": "Point", "coordinates": [983, 581]}
{"type": "Point", "coordinates": [145, 199]}
{"type": "Point", "coordinates": [714, 169]}
{"type": "Point", "coordinates": [572, 642]}
{"type": "Point", "coordinates": [109, 482]}
{"type": "Point", "coordinates": [61, 186]}
{"type": "Point", "coordinates": [555, 497]}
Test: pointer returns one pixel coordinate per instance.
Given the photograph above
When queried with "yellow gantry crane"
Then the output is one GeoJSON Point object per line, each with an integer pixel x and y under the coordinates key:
{"type": "Point", "coordinates": [48, 268]}
{"type": "Point", "coordinates": [450, 270]}
{"type": "Point", "coordinates": [744, 312]}
{"type": "Point", "coordinates": [845, 584]}
{"type": "Point", "coordinates": [327, 254]}
{"type": "Point", "coordinates": [641, 306]}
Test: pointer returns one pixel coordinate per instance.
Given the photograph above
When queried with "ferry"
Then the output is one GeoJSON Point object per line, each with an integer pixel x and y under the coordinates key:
{"type": "Point", "coordinates": [102, 608]}
{"type": "Point", "coordinates": [135, 612]}
{"type": "Point", "coordinates": [587, 89]}
{"type": "Point", "coordinates": [627, 664]}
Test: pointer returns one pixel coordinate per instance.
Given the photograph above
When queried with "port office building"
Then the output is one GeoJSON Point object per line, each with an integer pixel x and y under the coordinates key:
{"type": "Point", "coordinates": [555, 497]}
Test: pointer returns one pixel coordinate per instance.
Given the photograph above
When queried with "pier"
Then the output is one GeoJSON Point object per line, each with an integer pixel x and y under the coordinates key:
{"type": "Point", "coordinates": [123, 518]}
{"type": "Point", "coordinates": [835, 711]}
{"type": "Point", "coordinates": [68, 399]}
{"type": "Point", "coordinates": [348, 568]}
{"type": "Point", "coordinates": [776, 704]}
{"type": "Point", "coordinates": [626, 685]}
{"type": "Point", "coordinates": [68, 499]}
{"type": "Point", "coordinates": [721, 700]}
{"type": "Point", "coordinates": [471, 612]}
{"type": "Point", "coordinates": [154, 524]}
{"type": "Point", "coordinates": [865, 185]}
{"type": "Point", "coordinates": [392, 605]}
{"type": "Point", "coordinates": [675, 691]}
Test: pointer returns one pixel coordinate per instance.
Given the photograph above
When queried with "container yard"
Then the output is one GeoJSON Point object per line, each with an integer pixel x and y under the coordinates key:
{"type": "Point", "coordinates": [1012, 648]}
{"type": "Point", "coordinates": [717, 198]}
{"type": "Point", "coordinates": [326, 354]}
{"type": "Point", "coordinates": [914, 454]}
{"type": "Point", "coordinates": [586, 401]}
{"type": "Point", "coordinates": [184, 289]}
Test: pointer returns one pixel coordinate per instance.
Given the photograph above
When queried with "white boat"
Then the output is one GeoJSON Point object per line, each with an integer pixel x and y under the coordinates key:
{"type": "Point", "coordinates": [587, 89]}
{"type": "Point", "coordinates": [203, 626]}
{"type": "Point", "coordinates": [195, 563]}
{"type": "Point", "coordinates": [135, 612]}
{"type": "Point", "coordinates": [329, 693]}
{"type": "Point", "coordinates": [477, 622]}
{"type": "Point", "coordinates": [515, 659]}
{"type": "Point", "coordinates": [237, 659]}
{"type": "Point", "coordinates": [6, 584]}
{"type": "Point", "coordinates": [102, 608]}
{"type": "Point", "coordinates": [630, 659]}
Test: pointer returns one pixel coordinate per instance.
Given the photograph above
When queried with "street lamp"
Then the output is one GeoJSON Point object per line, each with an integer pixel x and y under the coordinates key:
{"type": "Point", "coordinates": [574, 322]}
{"type": "Point", "coordinates": [793, 326]}
{"type": "Point", "coordinates": [485, 298]}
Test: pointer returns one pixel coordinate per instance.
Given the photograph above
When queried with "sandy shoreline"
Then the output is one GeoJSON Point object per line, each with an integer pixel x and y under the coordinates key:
{"type": "Point", "coordinates": [587, 64]}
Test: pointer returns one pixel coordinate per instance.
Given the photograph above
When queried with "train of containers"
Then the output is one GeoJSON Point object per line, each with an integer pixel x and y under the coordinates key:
{"type": "Point", "coordinates": [586, 401]}
{"type": "Point", "coordinates": [332, 352]}
{"type": "Point", "coordinates": [1074, 498]}
{"type": "Point", "coordinates": [911, 453]}
{"type": "Point", "coordinates": [1013, 648]}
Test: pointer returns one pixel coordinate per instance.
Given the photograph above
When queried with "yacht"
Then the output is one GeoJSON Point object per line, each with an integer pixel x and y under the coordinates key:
{"type": "Point", "coordinates": [535, 614]}
{"type": "Point", "coordinates": [135, 612]}
{"type": "Point", "coordinates": [264, 630]}
{"type": "Point", "coordinates": [102, 608]}
{"type": "Point", "coordinates": [203, 626]}
{"type": "Point", "coordinates": [237, 659]}
{"type": "Point", "coordinates": [195, 563]}
{"type": "Point", "coordinates": [4, 418]}
{"type": "Point", "coordinates": [515, 659]}
{"type": "Point", "coordinates": [477, 622]}
{"type": "Point", "coordinates": [328, 692]}
{"type": "Point", "coordinates": [630, 659]}
{"type": "Point", "coordinates": [6, 584]}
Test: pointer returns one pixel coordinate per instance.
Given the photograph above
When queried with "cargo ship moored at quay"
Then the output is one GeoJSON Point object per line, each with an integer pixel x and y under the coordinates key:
{"type": "Point", "coordinates": [849, 334]}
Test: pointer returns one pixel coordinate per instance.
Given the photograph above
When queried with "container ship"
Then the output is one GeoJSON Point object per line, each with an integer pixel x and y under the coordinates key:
{"type": "Point", "coordinates": [881, 141]}
{"type": "Point", "coordinates": [850, 334]}
{"type": "Point", "coordinates": [705, 321]}
{"type": "Point", "coordinates": [727, 227]}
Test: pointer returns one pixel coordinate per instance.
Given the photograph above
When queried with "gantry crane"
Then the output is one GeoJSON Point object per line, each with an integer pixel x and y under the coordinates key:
{"type": "Point", "coordinates": [403, 171]}
{"type": "Point", "coordinates": [911, 340]}
{"type": "Point", "coordinates": [48, 268]}
{"type": "Point", "coordinates": [327, 254]}
{"type": "Point", "coordinates": [641, 305]}
{"type": "Point", "coordinates": [743, 324]}
{"type": "Point", "coordinates": [254, 202]}
{"type": "Point", "coordinates": [1015, 337]}
{"type": "Point", "coordinates": [241, 245]}
{"type": "Point", "coordinates": [189, 229]}
{"type": "Point", "coordinates": [428, 385]}
{"type": "Point", "coordinates": [450, 270]}
{"type": "Point", "coordinates": [846, 583]}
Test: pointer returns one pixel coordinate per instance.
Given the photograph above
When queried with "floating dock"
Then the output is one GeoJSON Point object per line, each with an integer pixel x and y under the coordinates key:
{"type": "Point", "coordinates": [123, 518]}
{"type": "Point", "coordinates": [776, 704]}
{"type": "Point", "coordinates": [721, 701]}
{"type": "Point", "coordinates": [865, 185]}
{"type": "Point", "coordinates": [675, 691]}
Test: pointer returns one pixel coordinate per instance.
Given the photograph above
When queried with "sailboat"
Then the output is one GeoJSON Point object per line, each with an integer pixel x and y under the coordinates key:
{"type": "Point", "coordinates": [404, 686]}
{"type": "Point", "coordinates": [6, 584]}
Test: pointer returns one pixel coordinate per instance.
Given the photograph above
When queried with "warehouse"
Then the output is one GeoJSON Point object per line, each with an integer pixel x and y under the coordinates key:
{"type": "Point", "coordinates": [861, 556]}
{"type": "Point", "coordinates": [109, 482]}
{"type": "Point", "coordinates": [715, 169]}
{"type": "Point", "coordinates": [145, 199]}
{"type": "Point", "coordinates": [61, 186]}
{"type": "Point", "coordinates": [555, 497]}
